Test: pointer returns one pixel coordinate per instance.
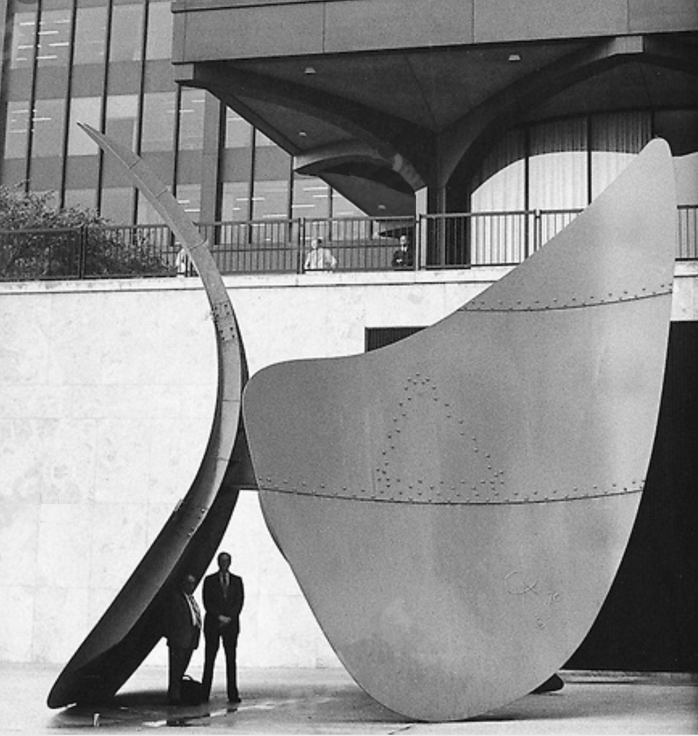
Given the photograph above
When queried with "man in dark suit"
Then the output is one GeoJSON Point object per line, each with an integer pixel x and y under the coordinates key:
{"type": "Point", "coordinates": [183, 630]}
{"type": "Point", "coordinates": [224, 596]}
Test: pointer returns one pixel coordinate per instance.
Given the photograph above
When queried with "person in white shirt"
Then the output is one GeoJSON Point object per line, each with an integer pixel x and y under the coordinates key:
{"type": "Point", "coordinates": [319, 258]}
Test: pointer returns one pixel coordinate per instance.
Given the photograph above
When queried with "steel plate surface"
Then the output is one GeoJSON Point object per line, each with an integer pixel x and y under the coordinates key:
{"type": "Point", "coordinates": [455, 506]}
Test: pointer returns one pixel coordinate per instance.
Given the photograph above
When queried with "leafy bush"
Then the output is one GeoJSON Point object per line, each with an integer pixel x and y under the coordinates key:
{"type": "Point", "coordinates": [38, 240]}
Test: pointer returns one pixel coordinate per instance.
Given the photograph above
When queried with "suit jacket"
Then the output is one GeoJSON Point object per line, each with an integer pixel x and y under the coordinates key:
{"type": "Point", "coordinates": [216, 604]}
{"type": "Point", "coordinates": [180, 630]}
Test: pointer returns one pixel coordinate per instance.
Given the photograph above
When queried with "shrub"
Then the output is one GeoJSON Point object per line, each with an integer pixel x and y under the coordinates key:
{"type": "Point", "coordinates": [38, 240]}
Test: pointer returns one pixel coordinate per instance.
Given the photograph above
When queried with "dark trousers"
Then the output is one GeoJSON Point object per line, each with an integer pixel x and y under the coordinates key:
{"type": "Point", "coordinates": [179, 661]}
{"type": "Point", "coordinates": [230, 645]}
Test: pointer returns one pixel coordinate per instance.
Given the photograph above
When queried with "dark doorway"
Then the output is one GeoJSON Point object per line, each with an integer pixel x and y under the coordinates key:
{"type": "Point", "coordinates": [379, 337]}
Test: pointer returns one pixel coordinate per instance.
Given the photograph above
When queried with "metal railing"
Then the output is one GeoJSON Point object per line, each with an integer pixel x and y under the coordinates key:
{"type": "Point", "coordinates": [282, 246]}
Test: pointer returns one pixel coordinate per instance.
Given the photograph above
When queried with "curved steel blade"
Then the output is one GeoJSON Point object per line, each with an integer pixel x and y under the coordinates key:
{"type": "Point", "coordinates": [132, 626]}
{"type": "Point", "coordinates": [455, 506]}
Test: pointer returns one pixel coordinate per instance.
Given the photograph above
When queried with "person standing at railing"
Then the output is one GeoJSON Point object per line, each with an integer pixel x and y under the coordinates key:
{"type": "Point", "coordinates": [183, 264]}
{"type": "Point", "coordinates": [403, 256]}
{"type": "Point", "coordinates": [319, 258]}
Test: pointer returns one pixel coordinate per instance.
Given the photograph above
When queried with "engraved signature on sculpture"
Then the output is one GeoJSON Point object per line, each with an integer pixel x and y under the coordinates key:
{"type": "Point", "coordinates": [528, 587]}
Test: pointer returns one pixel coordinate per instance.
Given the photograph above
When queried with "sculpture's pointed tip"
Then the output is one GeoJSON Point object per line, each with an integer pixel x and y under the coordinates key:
{"type": "Point", "coordinates": [92, 132]}
{"type": "Point", "coordinates": [658, 144]}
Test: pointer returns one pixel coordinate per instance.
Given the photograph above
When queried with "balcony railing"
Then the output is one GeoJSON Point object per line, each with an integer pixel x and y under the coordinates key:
{"type": "Point", "coordinates": [282, 246]}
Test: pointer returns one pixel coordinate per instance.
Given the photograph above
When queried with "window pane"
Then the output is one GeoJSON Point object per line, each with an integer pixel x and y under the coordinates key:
{"type": "Point", "coordinates": [90, 35]}
{"type": "Point", "coordinates": [47, 126]}
{"type": "Point", "coordinates": [191, 119]}
{"type": "Point", "coordinates": [558, 165]}
{"type": "Point", "coordinates": [342, 207]}
{"type": "Point", "coordinates": [616, 139]}
{"type": "Point", "coordinates": [80, 198]}
{"type": "Point", "coordinates": [159, 44]}
{"type": "Point", "coordinates": [54, 38]}
{"type": "Point", "coordinates": [147, 214]}
{"type": "Point", "coordinates": [23, 39]}
{"type": "Point", "coordinates": [499, 183]}
{"type": "Point", "coordinates": [122, 112]}
{"type": "Point", "coordinates": [236, 201]}
{"type": "Point", "coordinates": [270, 200]}
{"type": "Point", "coordinates": [238, 132]}
{"type": "Point", "coordinates": [17, 133]}
{"type": "Point", "coordinates": [117, 204]}
{"type": "Point", "coordinates": [311, 197]}
{"type": "Point", "coordinates": [126, 33]}
{"type": "Point", "coordinates": [83, 110]}
{"type": "Point", "coordinates": [158, 121]}
{"type": "Point", "coordinates": [262, 140]}
{"type": "Point", "coordinates": [189, 196]}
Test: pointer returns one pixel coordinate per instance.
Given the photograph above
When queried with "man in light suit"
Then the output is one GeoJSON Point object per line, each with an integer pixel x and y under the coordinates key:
{"type": "Point", "coordinates": [224, 596]}
{"type": "Point", "coordinates": [183, 630]}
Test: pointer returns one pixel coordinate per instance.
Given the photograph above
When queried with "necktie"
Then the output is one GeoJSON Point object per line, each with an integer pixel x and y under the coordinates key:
{"type": "Point", "coordinates": [196, 614]}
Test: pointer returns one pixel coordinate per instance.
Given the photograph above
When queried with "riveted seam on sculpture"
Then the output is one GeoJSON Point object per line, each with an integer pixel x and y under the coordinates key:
{"type": "Point", "coordinates": [591, 301]}
{"type": "Point", "coordinates": [430, 501]}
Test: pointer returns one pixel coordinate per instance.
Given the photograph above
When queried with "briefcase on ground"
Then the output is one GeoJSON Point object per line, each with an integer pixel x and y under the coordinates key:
{"type": "Point", "coordinates": [191, 691]}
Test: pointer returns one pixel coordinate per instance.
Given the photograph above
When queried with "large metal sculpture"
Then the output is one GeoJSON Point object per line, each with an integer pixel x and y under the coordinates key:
{"type": "Point", "coordinates": [454, 506]}
{"type": "Point", "coordinates": [132, 625]}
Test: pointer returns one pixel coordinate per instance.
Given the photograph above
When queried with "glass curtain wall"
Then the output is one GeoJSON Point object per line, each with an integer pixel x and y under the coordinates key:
{"type": "Point", "coordinates": [107, 63]}
{"type": "Point", "coordinates": [553, 170]}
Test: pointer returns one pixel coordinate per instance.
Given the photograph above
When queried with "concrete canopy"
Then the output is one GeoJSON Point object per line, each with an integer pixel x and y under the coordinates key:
{"type": "Point", "coordinates": [403, 102]}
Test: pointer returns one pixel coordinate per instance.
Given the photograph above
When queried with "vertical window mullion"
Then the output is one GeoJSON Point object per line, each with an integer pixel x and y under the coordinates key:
{"type": "Point", "coordinates": [589, 157]}
{"type": "Point", "coordinates": [141, 97]}
{"type": "Point", "coordinates": [68, 98]}
{"type": "Point", "coordinates": [253, 166]}
{"type": "Point", "coordinates": [222, 129]}
{"type": "Point", "coordinates": [177, 131]}
{"type": "Point", "coordinates": [32, 99]}
{"type": "Point", "coordinates": [527, 168]}
{"type": "Point", "coordinates": [105, 95]}
{"type": "Point", "coordinates": [291, 177]}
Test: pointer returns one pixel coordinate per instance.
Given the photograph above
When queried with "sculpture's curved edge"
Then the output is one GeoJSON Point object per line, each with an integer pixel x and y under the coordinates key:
{"type": "Point", "coordinates": [130, 627]}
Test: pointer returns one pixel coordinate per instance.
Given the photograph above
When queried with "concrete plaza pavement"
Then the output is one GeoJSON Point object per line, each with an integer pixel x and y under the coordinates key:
{"type": "Point", "coordinates": [327, 701]}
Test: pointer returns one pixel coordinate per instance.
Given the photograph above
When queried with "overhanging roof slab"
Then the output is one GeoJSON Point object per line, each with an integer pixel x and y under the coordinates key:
{"type": "Point", "coordinates": [208, 30]}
